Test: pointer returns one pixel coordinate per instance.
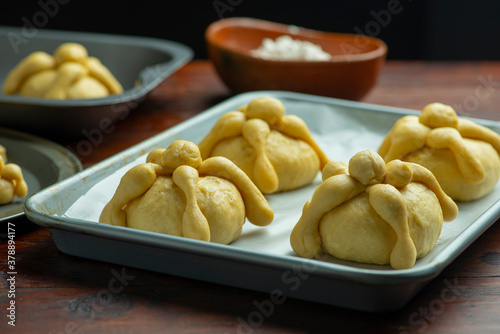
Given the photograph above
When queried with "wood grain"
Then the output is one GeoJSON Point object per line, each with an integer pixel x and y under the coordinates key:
{"type": "Point", "coordinates": [58, 293]}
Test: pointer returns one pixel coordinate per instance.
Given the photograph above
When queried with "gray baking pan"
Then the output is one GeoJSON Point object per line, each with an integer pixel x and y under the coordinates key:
{"type": "Point", "coordinates": [42, 162]}
{"type": "Point", "coordinates": [261, 259]}
{"type": "Point", "coordinates": [138, 63]}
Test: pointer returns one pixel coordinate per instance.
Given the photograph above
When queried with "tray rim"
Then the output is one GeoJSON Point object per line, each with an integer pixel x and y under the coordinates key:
{"type": "Point", "coordinates": [76, 165]}
{"type": "Point", "coordinates": [425, 272]}
{"type": "Point", "coordinates": [179, 52]}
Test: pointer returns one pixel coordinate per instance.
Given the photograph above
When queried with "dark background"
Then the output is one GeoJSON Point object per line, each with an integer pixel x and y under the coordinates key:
{"type": "Point", "coordinates": [426, 29]}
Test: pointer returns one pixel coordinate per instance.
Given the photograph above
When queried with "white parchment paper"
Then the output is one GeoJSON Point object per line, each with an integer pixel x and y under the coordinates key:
{"type": "Point", "coordinates": [340, 132]}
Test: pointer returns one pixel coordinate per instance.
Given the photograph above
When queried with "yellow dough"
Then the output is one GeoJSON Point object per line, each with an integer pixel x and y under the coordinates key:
{"type": "Point", "coordinates": [12, 183]}
{"type": "Point", "coordinates": [276, 151]}
{"type": "Point", "coordinates": [177, 193]}
{"type": "Point", "coordinates": [69, 74]}
{"type": "Point", "coordinates": [371, 212]}
{"type": "Point", "coordinates": [463, 155]}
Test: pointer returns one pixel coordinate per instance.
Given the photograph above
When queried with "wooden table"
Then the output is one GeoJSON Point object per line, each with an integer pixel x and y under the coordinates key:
{"type": "Point", "coordinates": [57, 293]}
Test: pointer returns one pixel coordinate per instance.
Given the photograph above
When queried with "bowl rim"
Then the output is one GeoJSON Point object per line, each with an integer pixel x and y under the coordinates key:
{"type": "Point", "coordinates": [248, 22]}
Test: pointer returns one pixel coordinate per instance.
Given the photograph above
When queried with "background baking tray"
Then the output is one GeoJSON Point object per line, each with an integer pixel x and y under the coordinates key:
{"type": "Point", "coordinates": [261, 259]}
{"type": "Point", "coordinates": [138, 63]}
{"type": "Point", "coordinates": [42, 162]}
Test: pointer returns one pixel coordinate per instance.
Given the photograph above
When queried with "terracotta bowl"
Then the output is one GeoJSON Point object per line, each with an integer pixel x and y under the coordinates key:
{"type": "Point", "coordinates": [350, 74]}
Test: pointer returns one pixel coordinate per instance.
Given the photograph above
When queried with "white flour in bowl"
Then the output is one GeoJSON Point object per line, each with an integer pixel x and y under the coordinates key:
{"type": "Point", "coordinates": [287, 48]}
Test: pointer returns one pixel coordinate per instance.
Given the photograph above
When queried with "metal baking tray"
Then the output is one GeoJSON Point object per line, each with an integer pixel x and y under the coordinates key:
{"type": "Point", "coordinates": [138, 63]}
{"type": "Point", "coordinates": [261, 259]}
{"type": "Point", "coordinates": [42, 162]}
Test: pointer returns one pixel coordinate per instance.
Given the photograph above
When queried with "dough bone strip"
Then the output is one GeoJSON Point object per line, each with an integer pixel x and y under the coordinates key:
{"type": "Point", "coordinates": [227, 126]}
{"type": "Point", "coordinates": [257, 208]}
{"type": "Point", "coordinates": [194, 223]}
{"type": "Point", "coordinates": [407, 135]}
{"type": "Point", "coordinates": [101, 73]}
{"type": "Point", "coordinates": [34, 63]}
{"type": "Point", "coordinates": [390, 205]}
{"type": "Point", "coordinates": [470, 167]}
{"type": "Point", "coordinates": [295, 127]}
{"type": "Point", "coordinates": [305, 239]}
{"type": "Point", "coordinates": [423, 175]}
{"type": "Point", "coordinates": [133, 184]}
{"type": "Point", "coordinates": [14, 174]}
{"type": "Point", "coordinates": [256, 131]}
{"type": "Point", "coordinates": [469, 129]}
{"type": "Point", "coordinates": [67, 74]}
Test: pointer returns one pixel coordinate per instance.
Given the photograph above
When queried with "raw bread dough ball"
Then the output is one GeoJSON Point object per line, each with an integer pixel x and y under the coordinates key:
{"type": "Point", "coordinates": [177, 193]}
{"type": "Point", "coordinates": [372, 212]}
{"type": "Point", "coordinates": [69, 74]}
{"type": "Point", "coordinates": [87, 88]}
{"type": "Point", "coordinates": [277, 152]}
{"type": "Point", "coordinates": [464, 156]}
{"type": "Point", "coordinates": [296, 163]}
{"type": "Point", "coordinates": [36, 85]}
{"type": "Point", "coordinates": [161, 208]}
{"type": "Point", "coordinates": [354, 231]}
{"type": "Point", "coordinates": [442, 163]}
{"type": "Point", "coordinates": [12, 181]}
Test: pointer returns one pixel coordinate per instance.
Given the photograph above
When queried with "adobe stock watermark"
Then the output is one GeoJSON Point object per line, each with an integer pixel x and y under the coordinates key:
{"type": "Point", "coordinates": [223, 6]}
{"type": "Point", "coordinates": [471, 103]}
{"type": "Point", "coordinates": [381, 19]}
{"type": "Point", "coordinates": [95, 136]}
{"type": "Point", "coordinates": [264, 309]}
{"type": "Point", "coordinates": [40, 19]}
{"type": "Point", "coordinates": [120, 110]}
{"type": "Point", "coordinates": [420, 319]}
{"type": "Point", "coordinates": [89, 307]}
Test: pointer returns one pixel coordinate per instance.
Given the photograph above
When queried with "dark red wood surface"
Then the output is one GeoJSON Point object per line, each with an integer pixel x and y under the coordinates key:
{"type": "Point", "coordinates": [57, 293]}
